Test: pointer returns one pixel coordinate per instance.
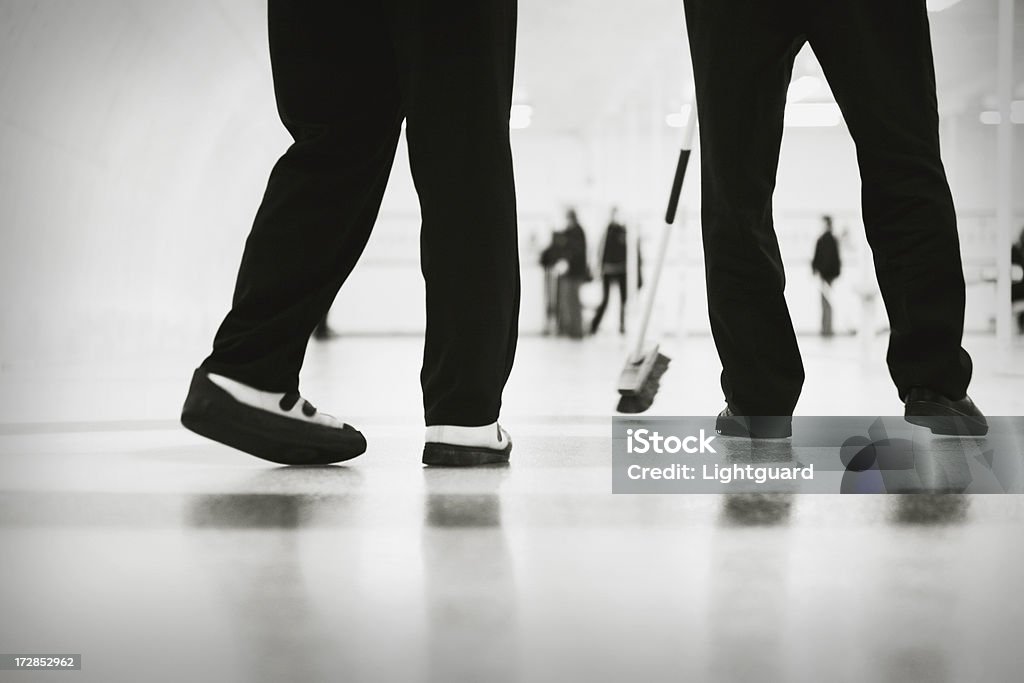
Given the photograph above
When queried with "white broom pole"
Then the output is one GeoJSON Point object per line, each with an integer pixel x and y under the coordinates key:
{"type": "Point", "coordinates": [670, 215]}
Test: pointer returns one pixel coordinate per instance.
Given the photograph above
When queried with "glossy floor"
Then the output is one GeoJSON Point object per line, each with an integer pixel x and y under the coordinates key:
{"type": "Point", "coordinates": [159, 556]}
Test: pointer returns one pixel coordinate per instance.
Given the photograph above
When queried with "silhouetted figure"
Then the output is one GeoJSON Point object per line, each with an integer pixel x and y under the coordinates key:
{"type": "Point", "coordinates": [876, 55]}
{"type": "Point", "coordinates": [826, 265]}
{"type": "Point", "coordinates": [612, 257]}
{"type": "Point", "coordinates": [346, 76]}
{"type": "Point", "coordinates": [1017, 286]}
{"type": "Point", "coordinates": [553, 259]}
{"type": "Point", "coordinates": [566, 256]}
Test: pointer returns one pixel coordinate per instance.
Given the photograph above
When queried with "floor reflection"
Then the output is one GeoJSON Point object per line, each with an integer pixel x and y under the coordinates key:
{"type": "Point", "coordinates": [929, 509]}
{"type": "Point", "coordinates": [386, 571]}
{"type": "Point", "coordinates": [262, 582]}
{"type": "Point", "coordinates": [756, 509]}
{"type": "Point", "coordinates": [243, 510]}
{"type": "Point", "coordinates": [470, 586]}
{"type": "Point", "coordinates": [749, 601]}
{"type": "Point", "coordinates": [755, 451]}
{"type": "Point", "coordinates": [916, 596]}
{"type": "Point", "coordinates": [251, 511]}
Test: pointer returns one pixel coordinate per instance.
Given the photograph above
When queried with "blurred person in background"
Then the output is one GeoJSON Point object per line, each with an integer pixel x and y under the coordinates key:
{"type": "Point", "coordinates": [577, 272]}
{"type": "Point", "coordinates": [565, 259]}
{"type": "Point", "coordinates": [877, 57]}
{"type": "Point", "coordinates": [553, 260]}
{"type": "Point", "coordinates": [1017, 285]}
{"type": "Point", "coordinates": [826, 265]}
{"type": "Point", "coordinates": [611, 255]}
{"type": "Point", "coordinates": [346, 76]}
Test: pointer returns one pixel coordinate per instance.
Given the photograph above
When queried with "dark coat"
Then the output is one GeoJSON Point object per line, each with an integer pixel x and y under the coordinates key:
{"type": "Point", "coordinates": [576, 253]}
{"type": "Point", "coordinates": [826, 261]}
{"type": "Point", "coordinates": [569, 245]}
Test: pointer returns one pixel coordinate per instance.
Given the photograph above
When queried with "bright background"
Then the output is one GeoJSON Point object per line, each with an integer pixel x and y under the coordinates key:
{"type": "Point", "coordinates": [136, 138]}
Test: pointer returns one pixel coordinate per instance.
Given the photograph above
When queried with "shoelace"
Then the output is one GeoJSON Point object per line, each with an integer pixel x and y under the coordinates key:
{"type": "Point", "coordinates": [289, 400]}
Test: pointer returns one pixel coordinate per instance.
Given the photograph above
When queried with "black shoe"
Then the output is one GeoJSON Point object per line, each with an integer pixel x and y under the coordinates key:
{"type": "Point", "coordinates": [943, 415]}
{"type": "Point", "coordinates": [440, 454]}
{"type": "Point", "coordinates": [214, 413]}
{"type": "Point", "coordinates": [768, 427]}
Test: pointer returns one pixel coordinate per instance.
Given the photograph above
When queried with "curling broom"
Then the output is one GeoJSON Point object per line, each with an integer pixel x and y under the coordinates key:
{"type": "Point", "coordinates": [641, 376]}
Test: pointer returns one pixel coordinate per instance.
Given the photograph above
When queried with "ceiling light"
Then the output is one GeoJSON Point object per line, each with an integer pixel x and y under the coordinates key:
{"type": "Point", "coordinates": [994, 118]}
{"type": "Point", "coordinates": [520, 116]}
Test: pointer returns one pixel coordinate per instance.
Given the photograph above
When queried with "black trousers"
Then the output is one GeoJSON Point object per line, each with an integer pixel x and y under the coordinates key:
{"type": "Point", "coordinates": [876, 55]}
{"type": "Point", "coordinates": [345, 75]}
{"type": "Point", "coordinates": [619, 280]}
{"type": "Point", "coordinates": [826, 315]}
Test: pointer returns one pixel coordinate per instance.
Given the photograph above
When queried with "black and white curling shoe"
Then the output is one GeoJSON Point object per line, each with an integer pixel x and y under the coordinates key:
{"type": "Point", "coordinates": [454, 446]}
{"type": "Point", "coordinates": [281, 428]}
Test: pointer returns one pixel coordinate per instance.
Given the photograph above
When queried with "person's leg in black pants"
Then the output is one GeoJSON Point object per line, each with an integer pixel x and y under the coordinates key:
{"type": "Point", "coordinates": [620, 281]}
{"type": "Point", "coordinates": [1017, 295]}
{"type": "Point", "coordinates": [323, 194]}
{"type": "Point", "coordinates": [345, 75]}
{"type": "Point", "coordinates": [877, 58]}
{"type": "Point", "coordinates": [458, 59]}
{"type": "Point", "coordinates": [743, 56]}
{"type": "Point", "coordinates": [607, 280]}
{"type": "Point", "coordinates": [606, 284]}
{"type": "Point", "coordinates": [826, 312]}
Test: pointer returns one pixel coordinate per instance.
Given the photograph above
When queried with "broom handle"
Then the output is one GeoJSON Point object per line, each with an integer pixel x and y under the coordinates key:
{"type": "Point", "coordinates": [670, 216]}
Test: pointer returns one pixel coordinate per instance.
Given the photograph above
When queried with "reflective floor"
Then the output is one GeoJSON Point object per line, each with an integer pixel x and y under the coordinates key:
{"type": "Point", "coordinates": [159, 556]}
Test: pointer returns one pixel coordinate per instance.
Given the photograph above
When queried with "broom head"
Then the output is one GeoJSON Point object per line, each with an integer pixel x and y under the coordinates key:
{"type": "Point", "coordinates": [640, 380]}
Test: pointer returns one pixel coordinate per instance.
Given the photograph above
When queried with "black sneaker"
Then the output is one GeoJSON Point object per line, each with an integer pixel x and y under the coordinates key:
{"type": "Point", "coordinates": [943, 415]}
{"type": "Point", "coordinates": [212, 412]}
{"type": "Point", "coordinates": [768, 427]}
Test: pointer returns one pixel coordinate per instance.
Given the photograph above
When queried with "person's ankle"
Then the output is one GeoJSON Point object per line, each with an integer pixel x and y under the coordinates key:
{"type": "Point", "coordinates": [483, 436]}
